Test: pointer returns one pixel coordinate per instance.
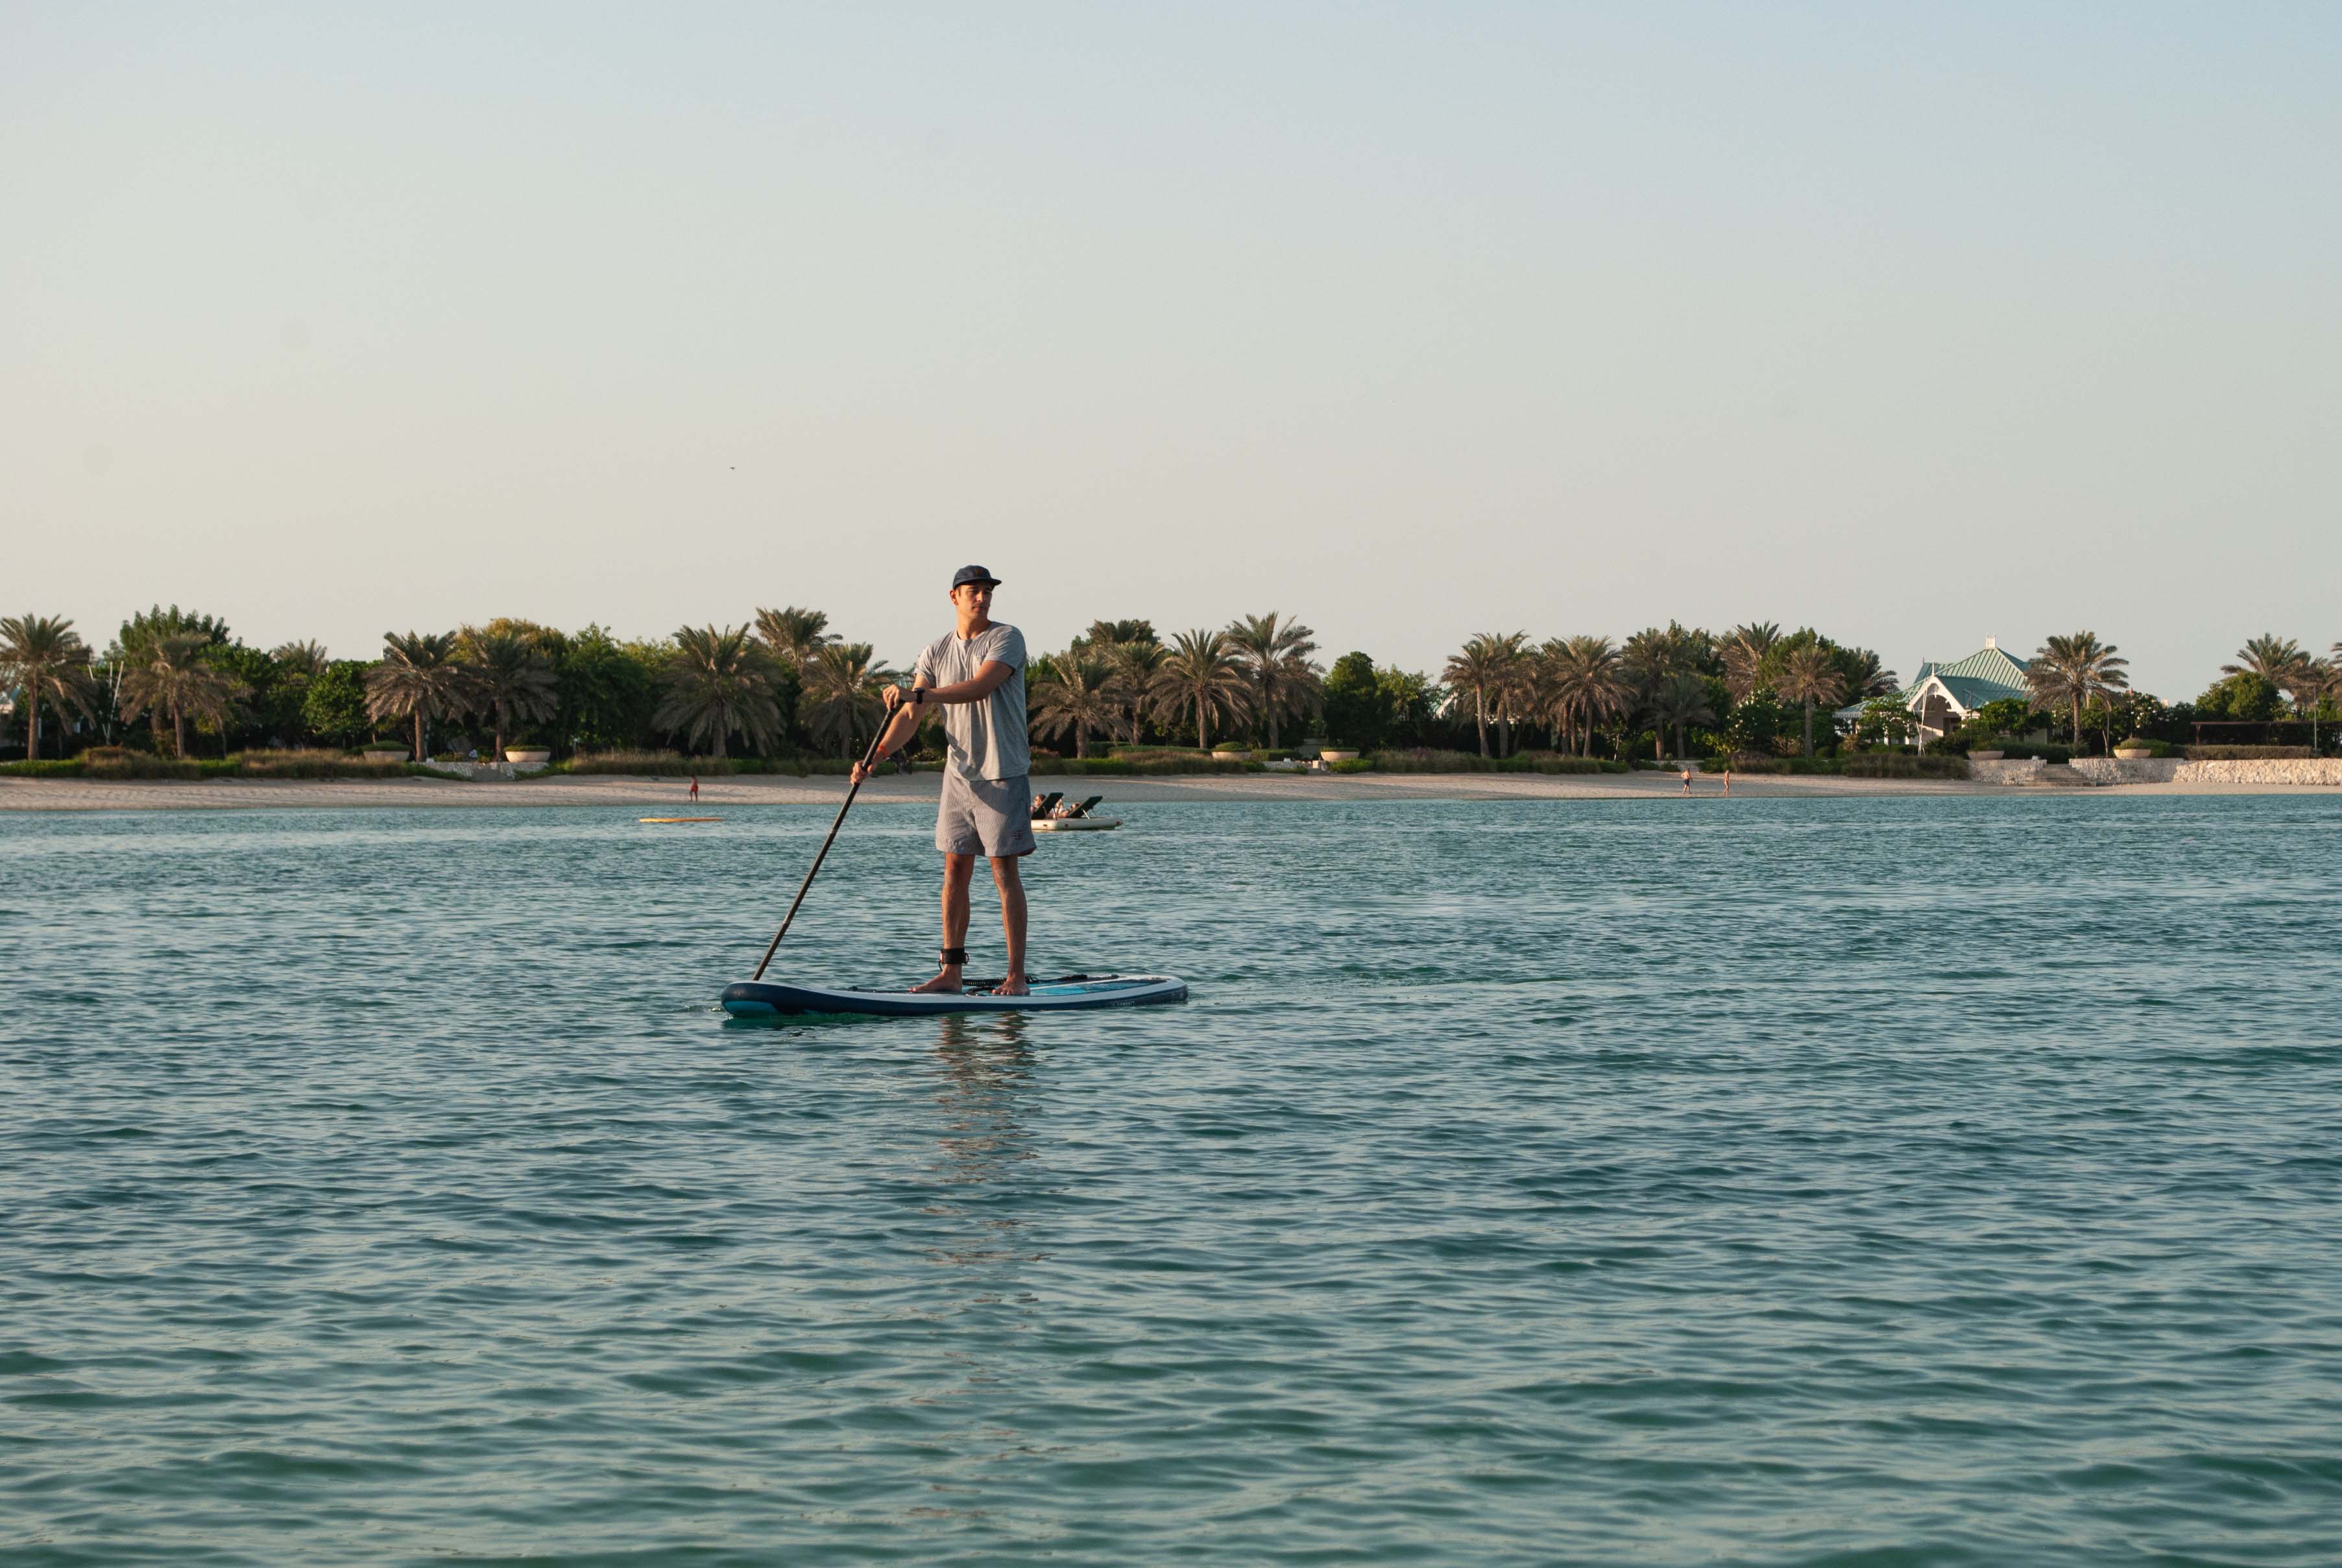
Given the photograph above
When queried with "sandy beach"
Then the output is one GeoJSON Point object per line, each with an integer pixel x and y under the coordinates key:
{"type": "Point", "coordinates": [248, 794]}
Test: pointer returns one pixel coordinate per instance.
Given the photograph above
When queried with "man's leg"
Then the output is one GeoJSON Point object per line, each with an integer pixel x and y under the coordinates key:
{"type": "Point", "coordinates": [1012, 918]}
{"type": "Point", "coordinates": [959, 870]}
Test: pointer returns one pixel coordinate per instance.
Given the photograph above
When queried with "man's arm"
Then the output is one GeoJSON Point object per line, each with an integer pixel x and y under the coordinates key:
{"type": "Point", "coordinates": [902, 722]}
{"type": "Point", "coordinates": [989, 678]}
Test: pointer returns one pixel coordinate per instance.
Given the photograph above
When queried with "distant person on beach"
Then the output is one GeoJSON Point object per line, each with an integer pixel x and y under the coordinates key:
{"type": "Point", "coordinates": [1728, 779]}
{"type": "Point", "coordinates": [1687, 778]}
{"type": "Point", "coordinates": [976, 674]}
{"type": "Point", "coordinates": [694, 789]}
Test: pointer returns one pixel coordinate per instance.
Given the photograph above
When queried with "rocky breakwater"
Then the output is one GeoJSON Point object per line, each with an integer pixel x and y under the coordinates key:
{"type": "Point", "coordinates": [2127, 770]}
{"type": "Point", "coordinates": [2262, 771]}
{"type": "Point", "coordinates": [2231, 771]}
{"type": "Point", "coordinates": [2029, 771]}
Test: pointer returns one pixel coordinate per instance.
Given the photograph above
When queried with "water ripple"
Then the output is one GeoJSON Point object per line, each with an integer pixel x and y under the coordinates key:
{"type": "Point", "coordinates": [1845, 1182]}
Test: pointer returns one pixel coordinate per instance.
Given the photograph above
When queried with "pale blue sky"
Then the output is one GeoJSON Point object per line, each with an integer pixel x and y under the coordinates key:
{"type": "Point", "coordinates": [1917, 323]}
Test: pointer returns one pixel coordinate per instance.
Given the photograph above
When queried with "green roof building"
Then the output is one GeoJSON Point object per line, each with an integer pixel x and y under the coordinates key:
{"type": "Point", "coordinates": [1941, 695]}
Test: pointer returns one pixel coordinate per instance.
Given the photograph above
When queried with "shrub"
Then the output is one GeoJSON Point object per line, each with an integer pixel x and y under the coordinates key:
{"type": "Point", "coordinates": [1421, 760]}
{"type": "Point", "coordinates": [670, 765]}
{"type": "Point", "coordinates": [1749, 763]}
{"type": "Point", "coordinates": [1151, 760]}
{"type": "Point", "coordinates": [123, 764]}
{"type": "Point", "coordinates": [314, 765]}
{"type": "Point", "coordinates": [1350, 765]}
{"type": "Point", "coordinates": [2024, 751]}
{"type": "Point", "coordinates": [2004, 715]}
{"type": "Point", "coordinates": [1903, 766]}
{"type": "Point", "coordinates": [45, 768]}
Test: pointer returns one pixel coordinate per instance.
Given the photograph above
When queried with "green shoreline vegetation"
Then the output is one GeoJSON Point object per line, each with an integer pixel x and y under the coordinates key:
{"type": "Point", "coordinates": [176, 694]}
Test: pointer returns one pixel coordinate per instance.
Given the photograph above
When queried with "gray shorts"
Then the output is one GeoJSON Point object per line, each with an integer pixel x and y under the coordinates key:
{"type": "Point", "coordinates": [985, 816]}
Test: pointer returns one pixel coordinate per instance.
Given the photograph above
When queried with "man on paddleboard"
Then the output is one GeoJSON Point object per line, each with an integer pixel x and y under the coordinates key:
{"type": "Point", "coordinates": [974, 674]}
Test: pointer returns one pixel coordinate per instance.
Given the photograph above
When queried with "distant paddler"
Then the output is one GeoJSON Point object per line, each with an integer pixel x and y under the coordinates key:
{"type": "Point", "coordinates": [974, 674]}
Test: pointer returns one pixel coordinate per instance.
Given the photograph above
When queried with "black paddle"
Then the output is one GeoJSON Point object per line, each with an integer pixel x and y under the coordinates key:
{"type": "Point", "coordinates": [867, 758]}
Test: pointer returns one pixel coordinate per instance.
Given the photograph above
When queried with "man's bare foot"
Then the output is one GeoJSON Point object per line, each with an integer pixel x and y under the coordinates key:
{"type": "Point", "coordinates": [1012, 986]}
{"type": "Point", "coordinates": [946, 982]}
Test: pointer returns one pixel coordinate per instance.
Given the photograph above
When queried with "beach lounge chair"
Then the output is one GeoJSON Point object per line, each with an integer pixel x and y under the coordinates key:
{"type": "Point", "coordinates": [1049, 803]}
{"type": "Point", "coordinates": [1086, 806]}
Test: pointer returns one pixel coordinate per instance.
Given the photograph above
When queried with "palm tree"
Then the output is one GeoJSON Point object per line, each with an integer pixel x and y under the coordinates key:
{"type": "Point", "coordinates": [516, 685]}
{"type": "Point", "coordinates": [1872, 678]}
{"type": "Point", "coordinates": [841, 695]}
{"type": "Point", "coordinates": [794, 635]}
{"type": "Point", "coordinates": [2321, 679]}
{"type": "Point", "coordinates": [1102, 635]}
{"type": "Point", "coordinates": [1744, 648]}
{"type": "Point", "coordinates": [1488, 666]}
{"type": "Point", "coordinates": [718, 683]}
{"type": "Point", "coordinates": [1078, 693]}
{"type": "Point", "coordinates": [419, 678]}
{"type": "Point", "coordinates": [1517, 690]}
{"type": "Point", "coordinates": [305, 660]}
{"type": "Point", "coordinates": [1681, 699]}
{"type": "Point", "coordinates": [1201, 676]}
{"type": "Point", "coordinates": [1277, 654]}
{"type": "Point", "coordinates": [1588, 684]}
{"type": "Point", "coordinates": [2329, 685]}
{"type": "Point", "coordinates": [1135, 661]}
{"type": "Point", "coordinates": [172, 678]}
{"type": "Point", "coordinates": [1544, 699]}
{"type": "Point", "coordinates": [1654, 653]}
{"type": "Point", "coordinates": [135, 641]}
{"type": "Point", "coordinates": [2074, 670]}
{"type": "Point", "coordinates": [2271, 657]}
{"type": "Point", "coordinates": [1809, 675]}
{"type": "Point", "coordinates": [48, 661]}
{"type": "Point", "coordinates": [1653, 656]}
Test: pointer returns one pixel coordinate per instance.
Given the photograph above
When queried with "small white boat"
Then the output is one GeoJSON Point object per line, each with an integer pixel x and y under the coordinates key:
{"type": "Point", "coordinates": [1077, 824]}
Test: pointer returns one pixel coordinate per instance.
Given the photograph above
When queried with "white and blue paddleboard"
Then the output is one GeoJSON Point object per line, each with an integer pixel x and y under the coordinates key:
{"type": "Point", "coordinates": [765, 998]}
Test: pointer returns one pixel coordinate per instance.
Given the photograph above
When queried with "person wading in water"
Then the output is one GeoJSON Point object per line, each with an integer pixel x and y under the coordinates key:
{"type": "Point", "coordinates": [975, 674]}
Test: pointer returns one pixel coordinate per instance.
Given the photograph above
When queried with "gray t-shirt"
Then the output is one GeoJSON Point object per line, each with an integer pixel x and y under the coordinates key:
{"type": "Point", "coordinates": [987, 738]}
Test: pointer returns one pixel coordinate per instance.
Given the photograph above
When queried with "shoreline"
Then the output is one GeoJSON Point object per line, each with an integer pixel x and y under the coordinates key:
{"type": "Point", "coordinates": [23, 795]}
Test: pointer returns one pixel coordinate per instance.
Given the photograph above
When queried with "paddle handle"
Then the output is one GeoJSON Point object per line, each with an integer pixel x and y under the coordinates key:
{"type": "Point", "coordinates": [855, 788]}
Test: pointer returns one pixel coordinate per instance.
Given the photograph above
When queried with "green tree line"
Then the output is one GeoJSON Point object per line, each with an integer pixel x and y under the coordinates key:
{"type": "Point", "coordinates": [180, 682]}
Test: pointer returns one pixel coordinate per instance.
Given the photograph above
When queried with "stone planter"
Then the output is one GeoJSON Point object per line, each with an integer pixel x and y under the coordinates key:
{"type": "Point", "coordinates": [1309, 749]}
{"type": "Point", "coordinates": [1222, 757]}
{"type": "Point", "coordinates": [1986, 756]}
{"type": "Point", "coordinates": [2134, 753]}
{"type": "Point", "coordinates": [383, 754]}
{"type": "Point", "coordinates": [1331, 754]}
{"type": "Point", "coordinates": [529, 756]}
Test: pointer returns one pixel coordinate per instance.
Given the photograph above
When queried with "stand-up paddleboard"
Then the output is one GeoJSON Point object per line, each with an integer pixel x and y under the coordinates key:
{"type": "Point", "coordinates": [1077, 825]}
{"type": "Point", "coordinates": [765, 998]}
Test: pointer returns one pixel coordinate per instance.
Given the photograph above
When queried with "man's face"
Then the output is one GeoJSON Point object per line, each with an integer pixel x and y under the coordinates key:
{"type": "Point", "coordinates": [974, 598]}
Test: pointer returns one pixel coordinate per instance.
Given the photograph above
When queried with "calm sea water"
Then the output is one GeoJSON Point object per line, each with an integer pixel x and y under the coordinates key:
{"type": "Point", "coordinates": [1924, 1181]}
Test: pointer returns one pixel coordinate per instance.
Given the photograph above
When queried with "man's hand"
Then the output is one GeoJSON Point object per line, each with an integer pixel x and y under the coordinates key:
{"type": "Point", "coordinates": [893, 696]}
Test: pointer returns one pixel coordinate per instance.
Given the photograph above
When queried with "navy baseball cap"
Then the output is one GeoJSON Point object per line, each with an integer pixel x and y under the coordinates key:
{"type": "Point", "coordinates": [967, 574]}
